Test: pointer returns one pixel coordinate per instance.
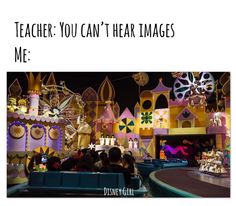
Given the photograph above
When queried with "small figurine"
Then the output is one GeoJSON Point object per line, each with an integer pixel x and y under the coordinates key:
{"type": "Point", "coordinates": [112, 140]}
{"type": "Point", "coordinates": [102, 140]}
{"type": "Point", "coordinates": [22, 106]}
{"type": "Point", "coordinates": [162, 155]}
{"type": "Point", "coordinates": [217, 120]}
{"type": "Point", "coordinates": [212, 163]}
{"type": "Point", "coordinates": [130, 144]}
{"type": "Point", "coordinates": [55, 109]}
{"type": "Point", "coordinates": [46, 111]}
{"type": "Point", "coordinates": [107, 140]}
{"type": "Point", "coordinates": [135, 143]}
{"type": "Point", "coordinates": [11, 107]}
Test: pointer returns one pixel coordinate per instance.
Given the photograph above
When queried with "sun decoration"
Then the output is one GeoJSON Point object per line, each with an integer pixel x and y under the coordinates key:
{"type": "Point", "coordinates": [37, 131]}
{"type": "Point", "coordinates": [17, 130]}
{"type": "Point", "coordinates": [146, 117]}
{"type": "Point", "coordinates": [44, 150]}
{"type": "Point", "coordinates": [54, 133]}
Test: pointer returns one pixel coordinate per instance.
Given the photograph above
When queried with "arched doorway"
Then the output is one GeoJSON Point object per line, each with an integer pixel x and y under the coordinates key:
{"type": "Point", "coordinates": [186, 124]}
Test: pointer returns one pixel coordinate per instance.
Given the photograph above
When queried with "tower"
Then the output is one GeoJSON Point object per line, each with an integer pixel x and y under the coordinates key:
{"type": "Point", "coordinates": [106, 92]}
{"type": "Point", "coordinates": [106, 120]}
{"type": "Point", "coordinates": [116, 110]}
{"type": "Point", "coordinates": [161, 116]}
{"type": "Point", "coordinates": [90, 98]}
{"type": "Point", "coordinates": [34, 90]}
{"type": "Point", "coordinates": [154, 115]}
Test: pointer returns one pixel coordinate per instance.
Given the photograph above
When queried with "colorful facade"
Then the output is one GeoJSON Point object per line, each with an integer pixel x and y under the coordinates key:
{"type": "Point", "coordinates": [155, 116]}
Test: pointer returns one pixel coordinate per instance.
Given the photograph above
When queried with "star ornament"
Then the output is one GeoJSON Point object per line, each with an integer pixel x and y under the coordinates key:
{"type": "Point", "coordinates": [91, 146]}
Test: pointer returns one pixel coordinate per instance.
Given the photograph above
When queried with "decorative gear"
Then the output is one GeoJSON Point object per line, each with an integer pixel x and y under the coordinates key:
{"type": "Point", "coordinates": [187, 85]}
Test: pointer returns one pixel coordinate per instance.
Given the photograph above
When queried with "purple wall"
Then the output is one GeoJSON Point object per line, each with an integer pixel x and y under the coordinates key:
{"type": "Point", "coordinates": [16, 144]}
{"type": "Point", "coordinates": [55, 144]}
{"type": "Point", "coordinates": [34, 143]}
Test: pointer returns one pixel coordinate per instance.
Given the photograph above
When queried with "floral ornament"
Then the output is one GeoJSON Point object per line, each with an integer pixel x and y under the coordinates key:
{"type": "Point", "coordinates": [40, 168]}
{"type": "Point", "coordinates": [55, 132]}
{"type": "Point", "coordinates": [146, 117]}
{"type": "Point", "coordinates": [17, 129]}
{"type": "Point", "coordinates": [37, 131]}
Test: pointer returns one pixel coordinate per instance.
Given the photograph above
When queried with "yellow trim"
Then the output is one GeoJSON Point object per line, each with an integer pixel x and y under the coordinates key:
{"type": "Point", "coordinates": [194, 130]}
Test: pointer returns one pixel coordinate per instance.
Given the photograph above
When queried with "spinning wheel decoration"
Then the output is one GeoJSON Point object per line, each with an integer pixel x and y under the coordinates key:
{"type": "Point", "coordinates": [188, 85]}
{"type": "Point", "coordinates": [126, 125]}
{"type": "Point", "coordinates": [60, 102]}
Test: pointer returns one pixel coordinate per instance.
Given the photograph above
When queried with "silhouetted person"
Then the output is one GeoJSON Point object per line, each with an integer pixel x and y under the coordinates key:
{"type": "Point", "coordinates": [104, 164]}
{"type": "Point", "coordinates": [102, 157]}
{"type": "Point", "coordinates": [116, 164]}
{"type": "Point", "coordinates": [85, 163]}
{"type": "Point", "coordinates": [128, 163]}
{"type": "Point", "coordinates": [71, 162]}
{"type": "Point", "coordinates": [54, 164]}
{"type": "Point", "coordinates": [94, 155]}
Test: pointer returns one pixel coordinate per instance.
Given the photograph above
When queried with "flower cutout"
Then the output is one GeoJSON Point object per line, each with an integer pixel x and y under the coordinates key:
{"type": "Point", "coordinates": [146, 117]}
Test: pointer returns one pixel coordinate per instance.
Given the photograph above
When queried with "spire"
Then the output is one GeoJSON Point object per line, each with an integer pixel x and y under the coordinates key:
{"type": "Point", "coordinates": [136, 109]}
{"type": "Point", "coordinates": [106, 91]}
{"type": "Point", "coordinates": [126, 114]}
{"type": "Point", "coordinates": [107, 115]}
{"type": "Point", "coordinates": [137, 105]}
{"type": "Point", "coordinates": [116, 110]}
{"type": "Point", "coordinates": [51, 80]}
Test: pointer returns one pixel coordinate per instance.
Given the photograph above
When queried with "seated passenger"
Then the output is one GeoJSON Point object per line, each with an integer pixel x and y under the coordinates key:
{"type": "Point", "coordinates": [71, 162]}
{"type": "Point", "coordinates": [128, 163]}
{"type": "Point", "coordinates": [54, 164]}
{"type": "Point", "coordinates": [85, 164]}
{"type": "Point", "coordinates": [102, 157]}
{"type": "Point", "coordinates": [116, 164]}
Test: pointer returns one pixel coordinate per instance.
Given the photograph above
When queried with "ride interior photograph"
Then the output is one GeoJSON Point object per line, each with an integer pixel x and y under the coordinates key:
{"type": "Point", "coordinates": [118, 134]}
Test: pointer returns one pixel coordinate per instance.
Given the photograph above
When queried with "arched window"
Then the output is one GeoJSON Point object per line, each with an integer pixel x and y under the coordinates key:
{"type": "Point", "coordinates": [161, 102]}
